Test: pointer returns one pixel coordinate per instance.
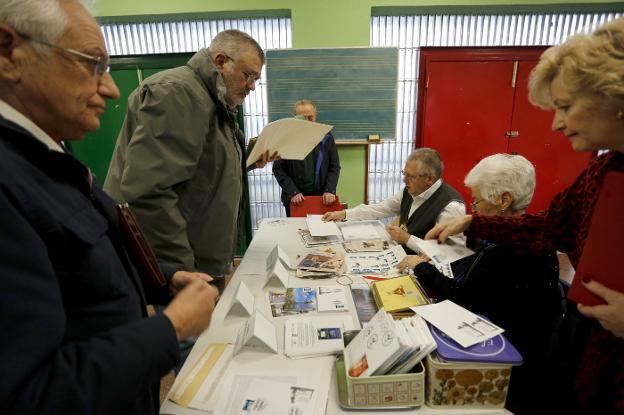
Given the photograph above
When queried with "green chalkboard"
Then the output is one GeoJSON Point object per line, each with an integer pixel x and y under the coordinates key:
{"type": "Point", "coordinates": [355, 89]}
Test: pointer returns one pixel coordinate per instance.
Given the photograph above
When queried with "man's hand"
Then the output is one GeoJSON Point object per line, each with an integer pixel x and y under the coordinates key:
{"type": "Point", "coordinates": [398, 234]}
{"type": "Point", "coordinates": [182, 278]}
{"type": "Point", "coordinates": [266, 158]}
{"type": "Point", "coordinates": [328, 198]}
{"type": "Point", "coordinates": [335, 216]}
{"type": "Point", "coordinates": [395, 222]}
{"type": "Point", "coordinates": [410, 261]}
{"type": "Point", "coordinates": [443, 230]}
{"type": "Point", "coordinates": [191, 310]}
{"type": "Point", "coordinates": [297, 199]}
{"type": "Point", "coordinates": [610, 315]}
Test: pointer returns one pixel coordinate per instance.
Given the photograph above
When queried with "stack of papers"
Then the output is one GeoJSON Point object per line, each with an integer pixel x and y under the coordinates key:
{"type": "Point", "coordinates": [388, 346]}
{"type": "Point", "coordinates": [311, 241]}
{"type": "Point", "coordinates": [368, 245]}
{"type": "Point", "coordinates": [317, 227]}
{"type": "Point", "coordinates": [399, 294]}
{"type": "Point", "coordinates": [327, 260]}
{"type": "Point", "coordinates": [358, 230]}
{"type": "Point", "coordinates": [315, 336]}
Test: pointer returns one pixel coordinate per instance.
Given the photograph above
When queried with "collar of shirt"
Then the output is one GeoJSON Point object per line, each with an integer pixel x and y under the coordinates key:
{"type": "Point", "coordinates": [427, 193]}
{"type": "Point", "coordinates": [11, 114]}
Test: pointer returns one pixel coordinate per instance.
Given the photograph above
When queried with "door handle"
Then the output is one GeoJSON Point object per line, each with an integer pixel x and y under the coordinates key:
{"type": "Point", "coordinates": [512, 134]}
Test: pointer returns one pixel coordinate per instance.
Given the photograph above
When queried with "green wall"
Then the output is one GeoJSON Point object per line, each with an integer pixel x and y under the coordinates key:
{"type": "Point", "coordinates": [315, 23]}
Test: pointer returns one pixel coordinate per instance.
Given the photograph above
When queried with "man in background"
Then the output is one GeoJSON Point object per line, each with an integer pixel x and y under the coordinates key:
{"type": "Point", "coordinates": [72, 307]}
{"type": "Point", "coordinates": [424, 201]}
{"type": "Point", "coordinates": [317, 174]}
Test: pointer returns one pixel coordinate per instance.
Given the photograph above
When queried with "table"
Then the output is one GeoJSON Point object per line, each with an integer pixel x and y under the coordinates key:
{"type": "Point", "coordinates": [223, 328]}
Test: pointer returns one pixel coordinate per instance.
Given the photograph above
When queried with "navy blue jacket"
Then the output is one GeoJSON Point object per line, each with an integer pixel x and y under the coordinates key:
{"type": "Point", "coordinates": [289, 173]}
{"type": "Point", "coordinates": [72, 309]}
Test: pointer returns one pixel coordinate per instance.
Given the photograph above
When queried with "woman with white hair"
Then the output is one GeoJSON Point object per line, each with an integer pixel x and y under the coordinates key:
{"type": "Point", "coordinates": [517, 291]}
{"type": "Point", "coordinates": [583, 81]}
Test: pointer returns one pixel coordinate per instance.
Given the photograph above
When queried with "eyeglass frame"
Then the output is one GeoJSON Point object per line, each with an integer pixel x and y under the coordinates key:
{"type": "Point", "coordinates": [101, 64]}
{"type": "Point", "coordinates": [410, 177]}
{"type": "Point", "coordinates": [475, 203]}
{"type": "Point", "coordinates": [249, 76]}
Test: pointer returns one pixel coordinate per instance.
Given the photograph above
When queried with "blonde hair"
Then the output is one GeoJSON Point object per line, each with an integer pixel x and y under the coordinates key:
{"type": "Point", "coordinates": [591, 66]}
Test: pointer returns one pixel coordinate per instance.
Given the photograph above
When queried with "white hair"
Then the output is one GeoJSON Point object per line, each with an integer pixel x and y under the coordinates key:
{"type": "Point", "coordinates": [43, 20]}
{"type": "Point", "coordinates": [500, 173]}
{"type": "Point", "coordinates": [231, 42]}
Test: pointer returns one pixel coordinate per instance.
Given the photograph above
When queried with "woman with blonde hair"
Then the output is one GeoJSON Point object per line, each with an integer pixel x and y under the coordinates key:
{"type": "Point", "coordinates": [583, 80]}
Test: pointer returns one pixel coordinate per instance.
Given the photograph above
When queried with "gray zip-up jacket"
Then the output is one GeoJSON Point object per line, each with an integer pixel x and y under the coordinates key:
{"type": "Point", "coordinates": [179, 163]}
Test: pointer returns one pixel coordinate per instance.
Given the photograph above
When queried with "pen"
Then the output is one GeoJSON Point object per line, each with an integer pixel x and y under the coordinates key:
{"type": "Point", "coordinates": [371, 277]}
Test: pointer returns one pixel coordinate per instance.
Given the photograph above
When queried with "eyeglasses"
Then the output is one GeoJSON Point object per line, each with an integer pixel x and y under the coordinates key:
{"type": "Point", "coordinates": [475, 203]}
{"type": "Point", "coordinates": [100, 64]}
{"type": "Point", "coordinates": [250, 77]}
{"type": "Point", "coordinates": [413, 177]}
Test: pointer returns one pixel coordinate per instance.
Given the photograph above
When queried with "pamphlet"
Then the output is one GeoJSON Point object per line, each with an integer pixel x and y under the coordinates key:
{"type": "Point", "coordinates": [293, 301]}
{"type": "Point", "coordinates": [332, 298]}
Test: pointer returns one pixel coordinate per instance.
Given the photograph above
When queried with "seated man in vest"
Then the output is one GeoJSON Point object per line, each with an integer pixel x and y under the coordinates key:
{"type": "Point", "coordinates": [424, 201]}
{"type": "Point", "coordinates": [316, 175]}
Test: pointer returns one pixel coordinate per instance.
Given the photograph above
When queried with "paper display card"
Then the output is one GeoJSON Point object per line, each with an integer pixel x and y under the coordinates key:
{"type": "Point", "coordinates": [331, 298]}
{"type": "Point", "coordinates": [261, 395]}
{"type": "Point", "coordinates": [463, 326]}
{"type": "Point", "coordinates": [376, 263]}
{"type": "Point", "coordinates": [242, 302]}
{"type": "Point", "coordinates": [278, 274]}
{"type": "Point", "coordinates": [278, 253]}
{"type": "Point", "coordinates": [195, 389]}
{"type": "Point", "coordinates": [257, 331]}
{"type": "Point", "coordinates": [357, 230]}
{"type": "Point", "coordinates": [317, 227]}
{"type": "Point", "coordinates": [278, 136]}
{"type": "Point", "coordinates": [315, 336]}
{"type": "Point", "coordinates": [293, 301]}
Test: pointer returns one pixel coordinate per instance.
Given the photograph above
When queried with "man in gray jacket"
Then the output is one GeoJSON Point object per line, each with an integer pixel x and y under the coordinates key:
{"type": "Point", "coordinates": [179, 159]}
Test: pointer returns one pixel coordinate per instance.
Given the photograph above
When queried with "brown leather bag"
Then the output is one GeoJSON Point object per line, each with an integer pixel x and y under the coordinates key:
{"type": "Point", "coordinates": [140, 251]}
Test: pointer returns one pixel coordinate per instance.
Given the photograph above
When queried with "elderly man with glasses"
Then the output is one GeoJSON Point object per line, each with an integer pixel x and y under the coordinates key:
{"type": "Point", "coordinates": [180, 161]}
{"type": "Point", "coordinates": [424, 201]}
{"type": "Point", "coordinates": [72, 307]}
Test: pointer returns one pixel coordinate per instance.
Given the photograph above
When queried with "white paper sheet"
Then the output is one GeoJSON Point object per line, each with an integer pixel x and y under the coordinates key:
{"type": "Point", "coordinates": [354, 231]}
{"type": "Point", "coordinates": [463, 326]}
{"type": "Point", "coordinates": [317, 227]}
{"type": "Point", "coordinates": [315, 336]}
{"type": "Point", "coordinates": [292, 138]}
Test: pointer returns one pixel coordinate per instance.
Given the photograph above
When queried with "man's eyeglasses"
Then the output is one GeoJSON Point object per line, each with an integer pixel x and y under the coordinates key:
{"type": "Point", "coordinates": [250, 77]}
{"type": "Point", "coordinates": [100, 64]}
{"type": "Point", "coordinates": [475, 203]}
{"type": "Point", "coordinates": [413, 177]}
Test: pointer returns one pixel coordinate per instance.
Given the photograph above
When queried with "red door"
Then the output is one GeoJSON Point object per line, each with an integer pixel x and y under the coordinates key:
{"type": "Point", "coordinates": [556, 164]}
{"type": "Point", "coordinates": [474, 103]}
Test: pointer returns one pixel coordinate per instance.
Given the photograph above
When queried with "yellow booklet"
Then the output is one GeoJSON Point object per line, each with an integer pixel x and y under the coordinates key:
{"type": "Point", "coordinates": [399, 294]}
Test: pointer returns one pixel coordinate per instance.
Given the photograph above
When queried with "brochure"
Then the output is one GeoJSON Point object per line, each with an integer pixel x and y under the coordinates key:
{"type": "Point", "coordinates": [299, 300]}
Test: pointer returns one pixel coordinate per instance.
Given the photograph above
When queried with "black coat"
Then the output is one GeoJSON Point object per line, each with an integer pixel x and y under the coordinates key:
{"type": "Point", "coordinates": [72, 309]}
{"type": "Point", "coordinates": [289, 173]}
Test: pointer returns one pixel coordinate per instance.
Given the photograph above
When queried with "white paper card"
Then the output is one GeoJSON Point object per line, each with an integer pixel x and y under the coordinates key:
{"type": "Point", "coordinates": [317, 227]}
{"type": "Point", "coordinates": [354, 231]}
{"type": "Point", "coordinates": [258, 331]}
{"type": "Point", "coordinates": [278, 253]}
{"type": "Point", "coordinates": [278, 274]}
{"type": "Point", "coordinates": [278, 136]}
{"type": "Point", "coordinates": [331, 298]}
{"type": "Point", "coordinates": [463, 326]}
{"type": "Point", "coordinates": [442, 255]}
{"type": "Point", "coordinates": [242, 302]}
{"type": "Point", "coordinates": [315, 336]}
